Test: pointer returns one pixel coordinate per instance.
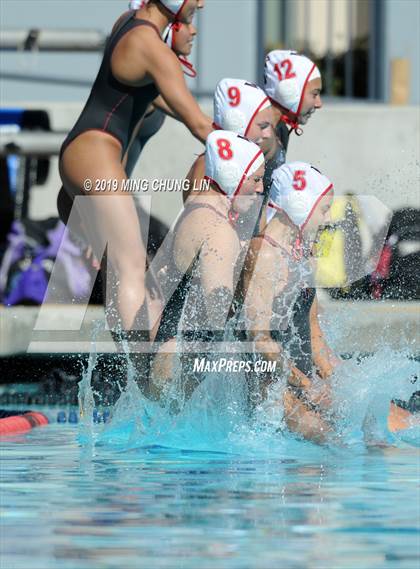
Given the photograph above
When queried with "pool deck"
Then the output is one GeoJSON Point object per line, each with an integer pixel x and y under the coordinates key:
{"type": "Point", "coordinates": [361, 327]}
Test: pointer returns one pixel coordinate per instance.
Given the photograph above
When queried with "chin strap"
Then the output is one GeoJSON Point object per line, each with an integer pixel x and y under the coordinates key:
{"type": "Point", "coordinates": [188, 67]}
{"type": "Point", "coordinates": [297, 249]}
{"type": "Point", "coordinates": [233, 217]}
{"type": "Point", "coordinates": [292, 122]}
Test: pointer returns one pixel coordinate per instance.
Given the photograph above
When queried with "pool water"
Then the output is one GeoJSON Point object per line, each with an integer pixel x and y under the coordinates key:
{"type": "Point", "coordinates": [214, 488]}
{"type": "Point", "coordinates": [291, 505]}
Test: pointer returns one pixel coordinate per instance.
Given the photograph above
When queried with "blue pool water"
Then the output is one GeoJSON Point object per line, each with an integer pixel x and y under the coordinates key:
{"type": "Point", "coordinates": [291, 505]}
{"type": "Point", "coordinates": [210, 488]}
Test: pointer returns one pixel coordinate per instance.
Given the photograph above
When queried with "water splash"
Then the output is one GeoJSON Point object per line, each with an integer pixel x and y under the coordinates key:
{"type": "Point", "coordinates": [363, 390]}
{"type": "Point", "coordinates": [86, 395]}
{"type": "Point", "coordinates": [217, 417]}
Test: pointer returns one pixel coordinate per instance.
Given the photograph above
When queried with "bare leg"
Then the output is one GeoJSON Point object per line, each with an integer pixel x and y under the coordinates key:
{"type": "Point", "coordinates": [162, 369]}
{"type": "Point", "coordinates": [110, 220]}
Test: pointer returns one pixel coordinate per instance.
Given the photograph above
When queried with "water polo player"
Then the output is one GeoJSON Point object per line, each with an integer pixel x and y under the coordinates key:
{"type": "Point", "coordinates": [203, 257]}
{"type": "Point", "coordinates": [180, 38]}
{"type": "Point", "coordinates": [137, 66]}
{"type": "Point", "coordinates": [293, 83]}
{"type": "Point", "coordinates": [280, 292]}
{"type": "Point", "coordinates": [242, 107]}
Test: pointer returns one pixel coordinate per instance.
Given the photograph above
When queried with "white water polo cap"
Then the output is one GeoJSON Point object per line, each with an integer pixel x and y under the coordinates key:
{"type": "Point", "coordinates": [137, 4]}
{"type": "Point", "coordinates": [230, 159]}
{"type": "Point", "coordinates": [236, 103]}
{"type": "Point", "coordinates": [174, 6]}
{"type": "Point", "coordinates": [286, 75]}
{"type": "Point", "coordinates": [297, 188]}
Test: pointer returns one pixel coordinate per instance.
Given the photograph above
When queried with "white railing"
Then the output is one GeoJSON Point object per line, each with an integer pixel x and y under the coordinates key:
{"type": "Point", "coordinates": [35, 143]}
{"type": "Point", "coordinates": [52, 40]}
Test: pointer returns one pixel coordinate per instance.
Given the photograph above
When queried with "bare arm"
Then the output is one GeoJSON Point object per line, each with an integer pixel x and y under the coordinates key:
{"type": "Point", "coordinates": [218, 258]}
{"type": "Point", "coordinates": [160, 103]}
{"type": "Point", "coordinates": [262, 284]}
{"type": "Point", "coordinates": [170, 81]}
{"type": "Point", "coordinates": [259, 293]}
{"type": "Point", "coordinates": [308, 424]}
{"type": "Point", "coordinates": [141, 57]}
{"type": "Point", "coordinates": [163, 66]}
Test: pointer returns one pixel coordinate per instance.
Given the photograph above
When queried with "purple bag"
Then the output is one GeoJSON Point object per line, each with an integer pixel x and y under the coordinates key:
{"type": "Point", "coordinates": [27, 265]}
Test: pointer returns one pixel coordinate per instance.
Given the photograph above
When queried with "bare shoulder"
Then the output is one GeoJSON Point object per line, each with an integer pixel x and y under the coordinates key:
{"type": "Point", "coordinates": [199, 166]}
{"type": "Point", "coordinates": [203, 230]}
{"type": "Point", "coordinates": [201, 214]}
{"type": "Point", "coordinates": [266, 261]}
{"type": "Point", "coordinates": [141, 40]}
{"type": "Point", "coordinates": [197, 170]}
{"type": "Point", "coordinates": [136, 52]}
{"type": "Point", "coordinates": [195, 176]}
{"type": "Point", "coordinates": [204, 225]}
{"type": "Point", "coordinates": [146, 43]}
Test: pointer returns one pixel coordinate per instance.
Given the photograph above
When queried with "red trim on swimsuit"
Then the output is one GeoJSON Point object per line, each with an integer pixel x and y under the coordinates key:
{"type": "Point", "coordinates": [205, 205]}
{"type": "Point", "coordinates": [92, 130]}
{"type": "Point", "coordinates": [274, 243]}
{"type": "Point", "coordinates": [232, 217]}
{"type": "Point", "coordinates": [109, 115]}
{"type": "Point", "coordinates": [96, 114]}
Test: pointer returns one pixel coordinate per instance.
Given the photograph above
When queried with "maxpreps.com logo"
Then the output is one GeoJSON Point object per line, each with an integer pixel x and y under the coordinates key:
{"type": "Point", "coordinates": [203, 365]}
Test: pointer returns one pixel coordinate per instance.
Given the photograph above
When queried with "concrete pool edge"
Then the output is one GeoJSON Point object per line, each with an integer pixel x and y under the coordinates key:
{"type": "Point", "coordinates": [364, 325]}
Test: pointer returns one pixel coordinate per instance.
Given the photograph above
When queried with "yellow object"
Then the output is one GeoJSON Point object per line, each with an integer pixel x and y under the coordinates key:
{"type": "Point", "coordinates": [330, 248]}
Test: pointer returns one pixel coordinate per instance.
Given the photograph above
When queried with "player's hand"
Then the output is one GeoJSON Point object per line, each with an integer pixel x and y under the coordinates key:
{"type": "Point", "coordinates": [316, 391]}
{"type": "Point", "coordinates": [298, 379]}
